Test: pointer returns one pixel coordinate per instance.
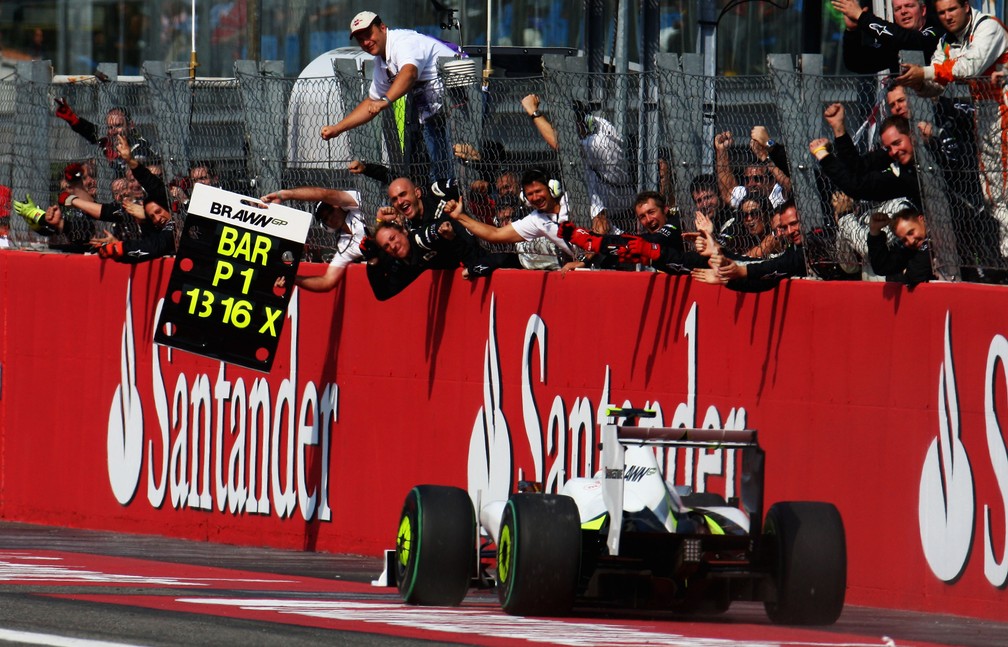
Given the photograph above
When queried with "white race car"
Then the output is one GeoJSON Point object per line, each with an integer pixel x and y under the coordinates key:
{"type": "Point", "coordinates": [628, 539]}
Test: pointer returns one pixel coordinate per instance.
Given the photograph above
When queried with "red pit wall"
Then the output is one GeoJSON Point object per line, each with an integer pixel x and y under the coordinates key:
{"type": "Point", "coordinates": [848, 383]}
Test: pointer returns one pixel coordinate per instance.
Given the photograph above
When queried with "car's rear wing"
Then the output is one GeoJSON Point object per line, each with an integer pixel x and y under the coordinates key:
{"type": "Point", "coordinates": [682, 436]}
{"type": "Point", "coordinates": [615, 439]}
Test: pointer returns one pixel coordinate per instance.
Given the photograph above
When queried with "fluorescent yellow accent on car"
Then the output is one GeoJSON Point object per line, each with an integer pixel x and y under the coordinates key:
{"type": "Point", "coordinates": [404, 540]}
{"type": "Point", "coordinates": [713, 526]}
{"type": "Point", "coordinates": [505, 554]}
{"type": "Point", "coordinates": [594, 524]}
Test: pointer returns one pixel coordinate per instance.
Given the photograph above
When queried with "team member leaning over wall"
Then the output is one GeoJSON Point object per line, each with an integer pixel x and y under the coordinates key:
{"type": "Point", "coordinates": [157, 229]}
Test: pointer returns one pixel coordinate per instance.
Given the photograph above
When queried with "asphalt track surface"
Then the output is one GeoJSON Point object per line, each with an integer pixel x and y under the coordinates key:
{"type": "Point", "coordinates": [90, 589]}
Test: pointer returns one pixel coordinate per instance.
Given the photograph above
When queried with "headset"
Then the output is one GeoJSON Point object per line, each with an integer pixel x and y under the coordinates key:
{"type": "Point", "coordinates": [539, 175]}
{"type": "Point", "coordinates": [323, 209]}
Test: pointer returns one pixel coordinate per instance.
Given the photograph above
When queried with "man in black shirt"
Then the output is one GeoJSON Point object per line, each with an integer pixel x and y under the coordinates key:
{"type": "Point", "coordinates": [117, 122]}
{"type": "Point", "coordinates": [909, 263]}
{"type": "Point", "coordinates": [879, 175]}
{"type": "Point", "coordinates": [416, 207]}
{"type": "Point", "coordinates": [763, 275]}
{"type": "Point", "coordinates": [396, 256]}
{"type": "Point", "coordinates": [871, 44]}
{"type": "Point", "coordinates": [157, 229]}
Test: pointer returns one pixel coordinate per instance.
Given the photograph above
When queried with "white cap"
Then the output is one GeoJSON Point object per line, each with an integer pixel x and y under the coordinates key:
{"type": "Point", "coordinates": [362, 20]}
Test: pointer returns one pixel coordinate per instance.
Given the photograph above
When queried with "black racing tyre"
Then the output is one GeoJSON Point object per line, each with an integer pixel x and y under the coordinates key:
{"type": "Point", "coordinates": [436, 546]}
{"type": "Point", "coordinates": [806, 551]}
{"type": "Point", "coordinates": [539, 555]}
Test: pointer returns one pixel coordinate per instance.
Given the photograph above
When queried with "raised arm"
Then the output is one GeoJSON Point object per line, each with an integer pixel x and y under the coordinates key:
{"type": "Point", "coordinates": [530, 103]}
{"type": "Point", "coordinates": [726, 179]}
{"type": "Point", "coordinates": [369, 108]}
{"type": "Point", "coordinates": [760, 145]}
{"type": "Point", "coordinates": [334, 197]}
{"type": "Point", "coordinates": [482, 230]}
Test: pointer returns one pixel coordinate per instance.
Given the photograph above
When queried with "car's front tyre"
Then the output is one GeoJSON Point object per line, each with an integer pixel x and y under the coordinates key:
{"type": "Point", "coordinates": [435, 546]}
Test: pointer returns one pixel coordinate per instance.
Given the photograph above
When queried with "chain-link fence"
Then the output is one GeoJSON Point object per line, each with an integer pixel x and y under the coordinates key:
{"type": "Point", "coordinates": [733, 148]}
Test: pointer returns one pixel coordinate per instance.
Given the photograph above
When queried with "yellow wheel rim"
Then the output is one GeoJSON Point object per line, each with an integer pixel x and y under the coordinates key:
{"type": "Point", "coordinates": [404, 540]}
{"type": "Point", "coordinates": [504, 554]}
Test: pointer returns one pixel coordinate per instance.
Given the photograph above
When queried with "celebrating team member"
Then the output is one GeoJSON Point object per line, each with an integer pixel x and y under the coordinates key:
{"type": "Point", "coordinates": [549, 210]}
{"type": "Point", "coordinates": [117, 122]}
{"type": "Point", "coordinates": [659, 245]}
{"type": "Point", "coordinates": [397, 255]}
{"type": "Point", "coordinates": [338, 212]}
{"type": "Point", "coordinates": [405, 63]}
{"type": "Point", "coordinates": [157, 229]}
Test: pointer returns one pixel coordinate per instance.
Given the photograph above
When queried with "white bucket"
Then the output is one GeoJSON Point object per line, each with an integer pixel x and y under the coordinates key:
{"type": "Point", "coordinates": [459, 73]}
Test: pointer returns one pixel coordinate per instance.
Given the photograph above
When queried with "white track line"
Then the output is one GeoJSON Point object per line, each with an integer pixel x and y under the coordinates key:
{"type": "Point", "coordinates": [30, 638]}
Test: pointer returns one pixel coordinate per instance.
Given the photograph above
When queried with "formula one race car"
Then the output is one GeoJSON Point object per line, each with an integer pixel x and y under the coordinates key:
{"type": "Point", "coordinates": [628, 539]}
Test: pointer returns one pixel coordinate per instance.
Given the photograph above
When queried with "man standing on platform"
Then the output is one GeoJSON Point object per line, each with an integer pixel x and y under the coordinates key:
{"type": "Point", "coordinates": [406, 62]}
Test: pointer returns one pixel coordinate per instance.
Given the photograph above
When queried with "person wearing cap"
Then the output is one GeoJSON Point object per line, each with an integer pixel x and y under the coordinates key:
{"type": "Point", "coordinates": [75, 227]}
{"type": "Point", "coordinates": [65, 232]}
{"type": "Point", "coordinates": [406, 62]}
{"type": "Point", "coordinates": [338, 213]}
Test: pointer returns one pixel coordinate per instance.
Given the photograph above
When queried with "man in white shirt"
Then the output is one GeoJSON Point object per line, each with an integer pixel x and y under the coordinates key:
{"type": "Point", "coordinates": [338, 212]}
{"type": "Point", "coordinates": [405, 62]}
{"type": "Point", "coordinates": [549, 210]}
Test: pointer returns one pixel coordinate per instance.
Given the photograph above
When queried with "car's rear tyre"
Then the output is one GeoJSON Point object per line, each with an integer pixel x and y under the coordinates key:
{"type": "Point", "coordinates": [435, 546]}
{"type": "Point", "coordinates": [806, 552]}
{"type": "Point", "coordinates": [538, 555]}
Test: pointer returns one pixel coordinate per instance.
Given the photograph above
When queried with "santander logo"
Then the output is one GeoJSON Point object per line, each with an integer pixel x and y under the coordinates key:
{"type": "Point", "coordinates": [946, 485]}
{"type": "Point", "coordinates": [125, 422]}
{"type": "Point", "coordinates": [947, 502]}
{"type": "Point", "coordinates": [569, 436]}
{"type": "Point", "coordinates": [221, 444]}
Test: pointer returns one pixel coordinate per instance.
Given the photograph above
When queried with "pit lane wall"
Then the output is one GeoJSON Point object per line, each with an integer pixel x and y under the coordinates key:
{"type": "Point", "coordinates": [888, 403]}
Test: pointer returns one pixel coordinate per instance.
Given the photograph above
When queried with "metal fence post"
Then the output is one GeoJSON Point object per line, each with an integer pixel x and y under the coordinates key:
{"type": "Point", "coordinates": [933, 188]}
{"type": "Point", "coordinates": [560, 93]}
{"type": "Point", "coordinates": [678, 98]}
{"type": "Point", "coordinates": [798, 128]}
{"type": "Point", "coordinates": [264, 106]}
{"type": "Point", "coordinates": [32, 122]}
{"type": "Point", "coordinates": [171, 105]}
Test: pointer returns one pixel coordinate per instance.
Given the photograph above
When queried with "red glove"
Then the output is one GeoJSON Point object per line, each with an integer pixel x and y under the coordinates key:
{"type": "Point", "coordinates": [368, 248]}
{"type": "Point", "coordinates": [73, 172]}
{"type": "Point", "coordinates": [638, 250]}
{"type": "Point", "coordinates": [66, 199]}
{"type": "Point", "coordinates": [65, 112]}
{"type": "Point", "coordinates": [111, 250]}
{"type": "Point", "coordinates": [580, 236]}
